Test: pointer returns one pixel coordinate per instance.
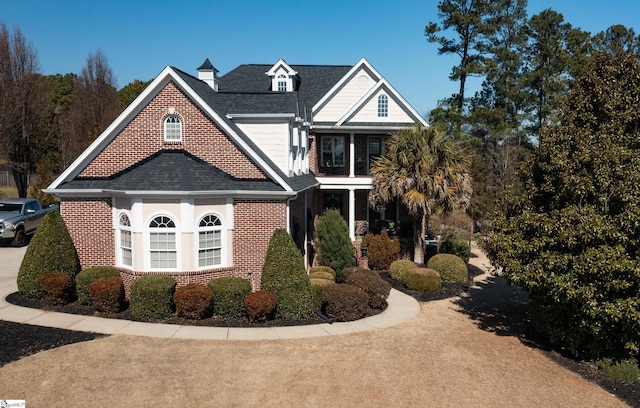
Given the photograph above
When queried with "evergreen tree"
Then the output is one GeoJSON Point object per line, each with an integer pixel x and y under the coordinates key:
{"type": "Point", "coordinates": [333, 243]}
{"type": "Point", "coordinates": [284, 274]}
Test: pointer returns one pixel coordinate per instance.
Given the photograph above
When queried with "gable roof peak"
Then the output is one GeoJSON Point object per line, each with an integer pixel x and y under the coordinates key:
{"type": "Point", "coordinates": [281, 64]}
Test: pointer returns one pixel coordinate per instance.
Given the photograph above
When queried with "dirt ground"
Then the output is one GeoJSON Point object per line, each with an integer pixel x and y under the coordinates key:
{"type": "Point", "coordinates": [456, 353]}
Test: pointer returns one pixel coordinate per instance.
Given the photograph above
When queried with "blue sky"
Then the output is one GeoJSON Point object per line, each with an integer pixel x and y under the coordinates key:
{"type": "Point", "coordinates": [140, 38]}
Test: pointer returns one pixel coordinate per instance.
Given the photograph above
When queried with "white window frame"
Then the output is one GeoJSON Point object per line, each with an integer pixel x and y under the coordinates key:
{"type": "Point", "coordinates": [331, 155]}
{"type": "Point", "coordinates": [168, 231]}
{"type": "Point", "coordinates": [173, 128]}
{"type": "Point", "coordinates": [282, 83]}
{"type": "Point", "coordinates": [221, 248]}
{"type": "Point", "coordinates": [124, 229]}
{"type": "Point", "coordinates": [383, 106]}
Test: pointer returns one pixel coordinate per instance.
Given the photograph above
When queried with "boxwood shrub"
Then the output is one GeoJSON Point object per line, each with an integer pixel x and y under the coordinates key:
{"type": "Point", "coordinates": [87, 276]}
{"type": "Point", "coordinates": [424, 280]}
{"type": "Point", "coordinates": [56, 287]}
{"type": "Point", "coordinates": [377, 289]}
{"type": "Point", "coordinates": [456, 247]}
{"type": "Point", "coordinates": [452, 268]}
{"type": "Point", "coordinates": [107, 294]}
{"type": "Point", "coordinates": [344, 303]}
{"type": "Point", "coordinates": [398, 269]}
{"type": "Point", "coordinates": [228, 296]}
{"type": "Point", "coordinates": [323, 275]}
{"type": "Point", "coordinates": [260, 305]}
{"type": "Point", "coordinates": [326, 269]}
{"type": "Point", "coordinates": [152, 297]}
{"type": "Point", "coordinates": [193, 301]}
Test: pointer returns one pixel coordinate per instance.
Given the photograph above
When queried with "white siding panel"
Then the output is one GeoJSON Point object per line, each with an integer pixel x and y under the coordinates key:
{"type": "Point", "coordinates": [369, 112]}
{"type": "Point", "coordinates": [352, 91]}
{"type": "Point", "coordinates": [271, 138]}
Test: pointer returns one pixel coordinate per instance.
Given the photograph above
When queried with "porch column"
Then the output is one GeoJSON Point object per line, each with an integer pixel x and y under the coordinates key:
{"type": "Point", "coordinates": [352, 156]}
{"type": "Point", "coordinates": [352, 213]}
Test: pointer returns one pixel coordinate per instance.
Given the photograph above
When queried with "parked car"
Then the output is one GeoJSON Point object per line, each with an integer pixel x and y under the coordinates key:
{"type": "Point", "coordinates": [20, 217]}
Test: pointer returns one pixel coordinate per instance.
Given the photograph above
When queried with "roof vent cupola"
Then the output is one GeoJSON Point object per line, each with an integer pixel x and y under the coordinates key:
{"type": "Point", "coordinates": [209, 74]}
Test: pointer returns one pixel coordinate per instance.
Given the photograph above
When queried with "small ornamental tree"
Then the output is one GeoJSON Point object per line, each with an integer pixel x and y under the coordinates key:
{"type": "Point", "coordinates": [284, 274]}
{"type": "Point", "coordinates": [51, 250]}
{"type": "Point", "coordinates": [333, 243]}
{"type": "Point", "coordinates": [573, 240]}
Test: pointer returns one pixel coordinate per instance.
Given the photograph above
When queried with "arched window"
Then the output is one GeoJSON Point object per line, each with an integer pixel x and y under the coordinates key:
{"type": "Point", "coordinates": [282, 83]}
{"type": "Point", "coordinates": [172, 129]}
{"type": "Point", "coordinates": [126, 249]}
{"type": "Point", "coordinates": [383, 106]}
{"type": "Point", "coordinates": [163, 252]}
{"type": "Point", "coordinates": [209, 241]}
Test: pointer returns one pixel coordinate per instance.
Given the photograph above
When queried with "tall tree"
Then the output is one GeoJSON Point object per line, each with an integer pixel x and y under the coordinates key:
{"type": "Point", "coordinates": [573, 239]}
{"type": "Point", "coordinates": [20, 104]}
{"type": "Point", "coordinates": [467, 18]}
{"type": "Point", "coordinates": [425, 171]}
{"type": "Point", "coordinates": [131, 91]}
{"type": "Point", "coordinates": [617, 40]}
{"type": "Point", "coordinates": [95, 104]}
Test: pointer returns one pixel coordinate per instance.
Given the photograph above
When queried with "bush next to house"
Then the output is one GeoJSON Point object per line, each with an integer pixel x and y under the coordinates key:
{"type": "Point", "coordinates": [423, 280]}
{"type": "Point", "coordinates": [332, 242]}
{"type": "Point", "coordinates": [373, 285]}
{"type": "Point", "coordinates": [398, 269]}
{"type": "Point", "coordinates": [50, 250]}
{"type": "Point", "coordinates": [151, 297]}
{"type": "Point", "coordinates": [322, 275]}
{"type": "Point", "coordinates": [56, 287]}
{"type": "Point", "coordinates": [383, 250]}
{"type": "Point", "coordinates": [228, 296]}
{"type": "Point", "coordinates": [456, 247]}
{"type": "Point", "coordinates": [107, 294]}
{"type": "Point", "coordinates": [323, 269]}
{"type": "Point", "coordinates": [284, 274]}
{"type": "Point", "coordinates": [452, 269]}
{"type": "Point", "coordinates": [344, 303]}
{"type": "Point", "coordinates": [260, 305]}
{"type": "Point", "coordinates": [193, 301]}
{"type": "Point", "coordinates": [87, 276]}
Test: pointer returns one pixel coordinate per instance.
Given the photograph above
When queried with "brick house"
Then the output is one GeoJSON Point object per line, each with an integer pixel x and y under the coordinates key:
{"type": "Point", "coordinates": [195, 175]}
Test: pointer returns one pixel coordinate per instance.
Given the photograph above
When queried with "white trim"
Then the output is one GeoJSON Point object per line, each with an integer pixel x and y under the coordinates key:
{"type": "Point", "coordinates": [233, 116]}
{"type": "Point", "coordinates": [118, 237]}
{"type": "Point", "coordinates": [341, 183]}
{"type": "Point", "coordinates": [225, 248]}
{"type": "Point", "coordinates": [352, 214]}
{"type": "Point", "coordinates": [147, 242]}
{"type": "Point", "coordinates": [175, 194]}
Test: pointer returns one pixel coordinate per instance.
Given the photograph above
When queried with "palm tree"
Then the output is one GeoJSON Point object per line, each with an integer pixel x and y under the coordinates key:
{"type": "Point", "coordinates": [425, 171]}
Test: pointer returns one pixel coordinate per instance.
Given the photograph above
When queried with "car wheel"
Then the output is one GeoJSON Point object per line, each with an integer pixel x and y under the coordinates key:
{"type": "Point", "coordinates": [19, 238]}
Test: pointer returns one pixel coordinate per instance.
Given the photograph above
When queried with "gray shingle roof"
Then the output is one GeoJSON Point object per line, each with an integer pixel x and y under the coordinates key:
{"type": "Point", "coordinates": [172, 170]}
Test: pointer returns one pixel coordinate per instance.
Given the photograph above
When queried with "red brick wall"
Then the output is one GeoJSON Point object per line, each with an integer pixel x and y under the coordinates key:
{"type": "Point", "coordinates": [89, 222]}
{"type": "Point", "coordinates": [144, 136]}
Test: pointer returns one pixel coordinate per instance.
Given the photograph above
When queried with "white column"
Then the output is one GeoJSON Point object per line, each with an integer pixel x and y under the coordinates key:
{"type": "Point", "coordinates": [352, 155]}
{"type": "Point", "coordinates": [352, 214]}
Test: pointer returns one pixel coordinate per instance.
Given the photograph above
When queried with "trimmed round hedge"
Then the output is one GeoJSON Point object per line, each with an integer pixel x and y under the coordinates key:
{"type": "Point", "coordinates": [344, 303]}
{"type": "Point", "coordinates": [398, 269]}
{"type": "Point", "coordinates": [107, 294]}
{"type": "Point", "coordinates": [87, 276]}
{"type": "Point", "coordinates": [452, 268]}
{"type": "Point", "coordinates": [424, 280]}
{"type": "Point", "coordinates": [322, 275]}
{"type": "Point", "coordinates": [193, 301]}
{"type": "Point", "coordinates": [369, 281]}
{"type": "Point", "coordinates": [228, 296]}
{"type": "Point", "coordinates": [325, 269]}
{"type": "Point", "coordinates": [152, 297]}
{"type": "Point", "coordinates": [56, 288]}
{"type": "Point", "coordinates": [260, 305]}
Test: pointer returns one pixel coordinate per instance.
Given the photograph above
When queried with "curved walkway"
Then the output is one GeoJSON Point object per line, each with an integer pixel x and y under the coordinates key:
{"type": "Point", "coordinates": [400, 309]}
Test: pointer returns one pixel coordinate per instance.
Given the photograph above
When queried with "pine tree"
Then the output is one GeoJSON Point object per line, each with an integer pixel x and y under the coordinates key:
{"type": "Point", "coordinates": [333, 243]}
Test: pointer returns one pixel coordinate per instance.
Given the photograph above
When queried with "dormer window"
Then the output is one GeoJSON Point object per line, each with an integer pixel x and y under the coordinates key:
{"type": "Point", "coordinates": [383, 106]}
{"type": "Point", "coordinates": [282, 83]}
{"type": "Point", "coordinates": [172, 129]}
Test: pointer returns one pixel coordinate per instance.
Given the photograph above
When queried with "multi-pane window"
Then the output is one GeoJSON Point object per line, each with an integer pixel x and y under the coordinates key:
{"type": "Point", "coordinates": [282, 83]}
{"type": "Point", "coordinates": [163, 252]}
{"type": "Point", "coordinates": [333, 151]}
{"type": "Point", "coordinates": [172, 129]}
{"type": "Point", "coordinates": [209, 241]}
{"type": "Point", "coordinates": [375, 148]}
{"type": "Point", "coordinates": [126, 253]}
{"type": "Point", "coordinates": [383, 106]}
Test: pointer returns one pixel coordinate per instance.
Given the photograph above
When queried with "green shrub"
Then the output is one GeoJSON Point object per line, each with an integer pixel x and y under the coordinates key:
{"type": "Point", "coordinates": [456, 247]}
{"type": "Point", "coordinates": [228, 296]}
{"type": "Point", "coordinates": [452, 269]}
{"type": "Point", "coordinates": [398, 269]}
{"type": "Point", "coordinates": [344, 303]}
{"type": "Point", "coordinates": [625, 370]}
{"type": "Point", "coordinates": [56, 288]}
{"type": "Point", "coordinates": [373, 285]}
{"type": "Point", "coordinates": [333, 244]}
{"type": "Point", "coordinates": [323, 275]}
{"type": "Point", "coordinates": [193, 301]}
{"type": "Point", "coordinates": [152, 297]}
{"type": "Point", "coordinates": [260, 305]}
{"type": "Point", "coordinates": [382, 250]}
{"type": "Point", "coordinates": [50, 250]}
{"type": "Point", "coordinates": [284, 274]}
{"type": "Point", "coordinates": [326, 269]}
{"type": "Point", "coordinates": [320, 282]}
{"type": "Point", "coordinates": [424, 280]}
{"type": "Point", "coordinates": [107, 294]}
{"type": "Point", "coordinates": [87, 276]}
